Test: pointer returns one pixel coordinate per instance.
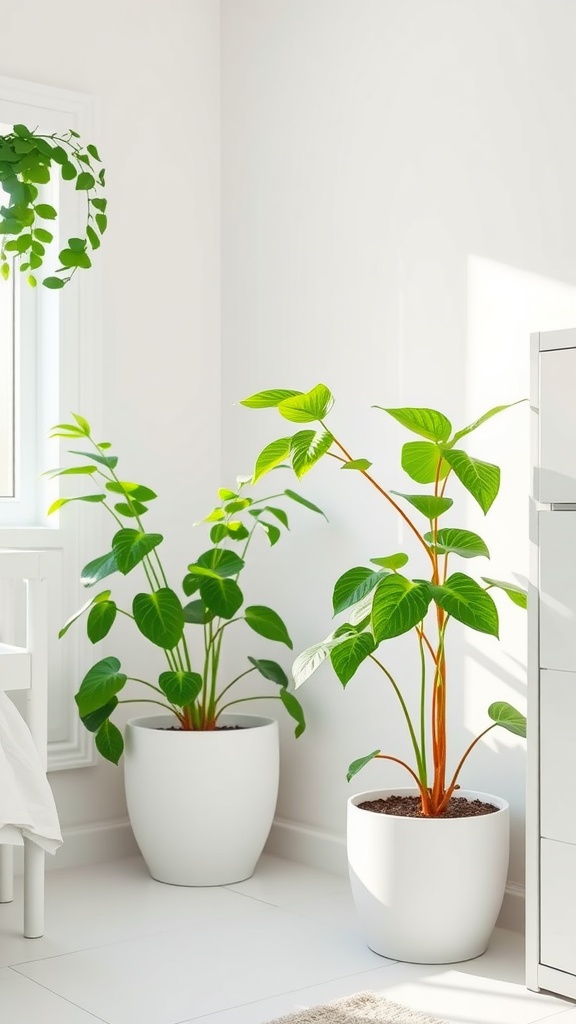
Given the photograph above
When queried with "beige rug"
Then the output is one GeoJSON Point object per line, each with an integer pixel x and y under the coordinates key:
{"type": "Point", "coordinates": [362, 1008]}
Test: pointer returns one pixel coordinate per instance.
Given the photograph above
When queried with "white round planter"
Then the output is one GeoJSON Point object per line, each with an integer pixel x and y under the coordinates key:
{"type": "Point", "coordinates": [201, 804]}
{"type": "Point", "coordinates": [427, 890]}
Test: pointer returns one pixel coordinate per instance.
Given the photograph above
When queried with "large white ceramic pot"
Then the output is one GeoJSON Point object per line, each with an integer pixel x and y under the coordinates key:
{"type": "Point", "coordinates": [427, 890]}
{"type": "Point", "coordinates": [201, 804]}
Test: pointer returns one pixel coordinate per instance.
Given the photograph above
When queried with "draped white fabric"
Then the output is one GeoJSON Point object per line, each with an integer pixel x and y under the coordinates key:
{"type": "Point", "coordinates": [27, 808]}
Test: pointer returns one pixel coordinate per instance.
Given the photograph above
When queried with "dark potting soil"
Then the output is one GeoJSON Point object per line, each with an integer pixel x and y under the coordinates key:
{"type": "Point", "coordinates": [219, 728]}
{"type": "Point", "coordinates": [409, 807]}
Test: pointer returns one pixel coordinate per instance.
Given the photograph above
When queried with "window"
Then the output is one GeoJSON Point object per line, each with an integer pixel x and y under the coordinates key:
{"type": "Point", "coordinates": [49, 349]}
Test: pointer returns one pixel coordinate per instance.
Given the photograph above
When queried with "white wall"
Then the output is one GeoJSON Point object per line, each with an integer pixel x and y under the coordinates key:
{"type": "Point", "coordinates": [155, 68]}
{"type": "Point", "coordinates": [398, 214]}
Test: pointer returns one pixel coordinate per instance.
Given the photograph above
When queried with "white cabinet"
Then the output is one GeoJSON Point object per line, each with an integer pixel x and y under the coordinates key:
{"type": "Point", "coordinates": [557, 746]}
{"type": "Point", "coordinates": [551, 804]}
{"type": "Point", "coordinates": [557, 588]}
{"type": "Point", "coordinates": [558, 949]}
{"type": "Point", "coordinates": [557, 457]}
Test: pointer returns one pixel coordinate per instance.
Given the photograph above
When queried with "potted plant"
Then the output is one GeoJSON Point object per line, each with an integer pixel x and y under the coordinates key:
{"type": "Point", "coordinates": [28, 160]}
{"type": "Point", "coordinates": [428, 872]}
{"type": "Point", "coordinates": [201, 780]}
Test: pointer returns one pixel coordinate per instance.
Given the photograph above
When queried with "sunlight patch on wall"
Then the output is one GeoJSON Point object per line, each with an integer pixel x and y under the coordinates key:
{"type": "Point", "coordinates": [505, 305]}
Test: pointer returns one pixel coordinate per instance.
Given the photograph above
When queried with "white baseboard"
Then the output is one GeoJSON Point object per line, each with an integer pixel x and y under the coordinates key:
{"type": "Point", "coordinates": [327, 852]}
{"type": "Point", "coordinates": [88, 844]}
{"type": "Point", "coordinates": [112, 840]}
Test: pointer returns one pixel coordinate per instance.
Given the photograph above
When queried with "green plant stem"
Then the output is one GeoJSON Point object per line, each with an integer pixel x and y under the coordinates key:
{"type": "Point", "coordinates": [388, 497]}
{"type": "Point", "coordinates": [452, 785]}
{"type": "Point", "coordinates": [233, 681]}
{"type": "Point", "coordinates": [134, 679]}
{"type": "Point", "coordinates": [148, 700]}
{"type": "Point", "coordinates": [242, 700]}
{"type": "Point", "coordinates": [424, 770]}
{"type": "Point", "coordinates": [417, 752]}
{"type": "Point", "coordinates": [424, 794]}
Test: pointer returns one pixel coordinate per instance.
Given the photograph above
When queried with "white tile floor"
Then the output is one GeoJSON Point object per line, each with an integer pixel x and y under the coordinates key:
{"type": "Point", "coordinates": [124, 949]}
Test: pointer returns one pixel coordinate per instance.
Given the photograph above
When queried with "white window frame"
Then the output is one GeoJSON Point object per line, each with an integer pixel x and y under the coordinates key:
{"type": "Point", "coordinates": [69, 367]}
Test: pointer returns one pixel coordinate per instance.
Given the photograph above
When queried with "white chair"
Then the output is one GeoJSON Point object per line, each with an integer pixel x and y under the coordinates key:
{"type": "Point", "coordinates": [25, 668]}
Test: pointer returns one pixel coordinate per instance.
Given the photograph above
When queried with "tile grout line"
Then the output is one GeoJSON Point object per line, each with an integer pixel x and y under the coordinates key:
{"type": "Point", "coordinates": [57, 995]}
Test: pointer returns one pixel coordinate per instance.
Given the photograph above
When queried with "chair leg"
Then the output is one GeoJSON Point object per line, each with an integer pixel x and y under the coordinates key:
{"type": "Point", "coordinates": [6, 873]}
{"type": "Point", "coordinates": [33, 890]}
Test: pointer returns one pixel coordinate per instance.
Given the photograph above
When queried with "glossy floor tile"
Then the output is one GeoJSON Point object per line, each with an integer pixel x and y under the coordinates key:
{"type": "Point", "coordinates": [121, 948]}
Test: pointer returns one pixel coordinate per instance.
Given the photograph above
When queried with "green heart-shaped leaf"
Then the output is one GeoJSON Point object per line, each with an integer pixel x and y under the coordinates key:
{"type": "Point", "coordinates": [159, 617]}
{"type": "Point", "coordinates": [399, 605]}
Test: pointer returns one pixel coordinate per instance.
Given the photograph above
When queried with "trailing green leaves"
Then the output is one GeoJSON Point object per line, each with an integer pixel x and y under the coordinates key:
{"type": "Point", "coordinates": [102, 682]}
{"type": "Point", "coordinates": [29, 159]}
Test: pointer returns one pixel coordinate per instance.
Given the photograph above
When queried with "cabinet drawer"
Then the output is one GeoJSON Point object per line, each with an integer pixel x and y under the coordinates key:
{"type": "Point", "coordinates": [557, 474]}
{"type": "Point", "coordinates": [557, 590]}
{"type": "Point", "coordinates": [557, 746]}
{"type": "Point", "coordinates": [558, 906]}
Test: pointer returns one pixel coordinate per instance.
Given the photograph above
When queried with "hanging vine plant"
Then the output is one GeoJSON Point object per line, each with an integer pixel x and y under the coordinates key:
{"type": "Point", "coordinates": [29, 159]}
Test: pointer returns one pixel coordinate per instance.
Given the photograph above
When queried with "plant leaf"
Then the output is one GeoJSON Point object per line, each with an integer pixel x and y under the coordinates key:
{"type": "Point", "coordinates": [294, 709]}
{"type": "Point", "coordinates": [102, 682]}
{"type": "Point", "coordinates": [131, 546]}
{"type": "Point", "coordinates": [508, 717]}
{"type": "Point", "coordinates": [464, 599]}
{"type": "Point", "coordinates": [270, 670]}
{"type": "Point", "coordinates": [309, 660]}
{"type": "Point", "coordinates": [279, 513]}
{"type": "Point", "coordinates": [393, 562]}
{"type": "Point", "coordinates": [360, 464]}
{"type": "Point", "coordinates": [131, 490]}
{"type": "Point", "coordinates": [360, 763]}
{"type": "Point", "coordinates": [110, 461]}
{"type": "Point", "coordinates": [268, 399]}
{"type": "Point", "coordinates": [159, 617]}
{"type": "Point", "coordinates": [516, 594]}
{"type": "Point", "coordinates": [220, 561]}
{"type": "Point", "coordinates": [428, 423]}
{"type": "Point", "coordinates": [308, 407]}
{"type": "Point", "coordinates": [458, 542]}
{"type": "Point", "coordinates": [98, 569]}
{"type": "Point", "coordinates": [268, 623]}
{"type": "Point", "coordinates": [428, 504]}
{"type": "Point", "coordinates": [221, 596]}
{"type": "Point", "coordinates": [103, 596]}
{"type": "Point", "coordinates": [181, 688]}
{"type": "Point", "coordinates": [349, 655]}
{"type": "Point", "coordinates": [481, 479]}
{"type": "Point", "coordinates": [272, 532]}
{"type": "Point", "coordinates": [60, 502]}
{"type": "Point", "coordinates": [420, 459]}
{"type": "Point", "coordinates": [353, 585]}
{"type": "Point", "coordinates": [399, 604]}
{"type": "Point", "coordinates": [94, 720]}
{"type": "Point", "coordinates": [100, 620]}
{"type": "Point", "coordinates": [307, 447]}
{"type": "Point", "coordinates": [487, 415]}
{"type": "Point", "coordinates": [274, 454]}
{"type": "Point", "coordinates": [109, 742]}
{"type": "Point", "coordinates": [304, 501]}
{"type": "Point", "coordinates": [197, 613]}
